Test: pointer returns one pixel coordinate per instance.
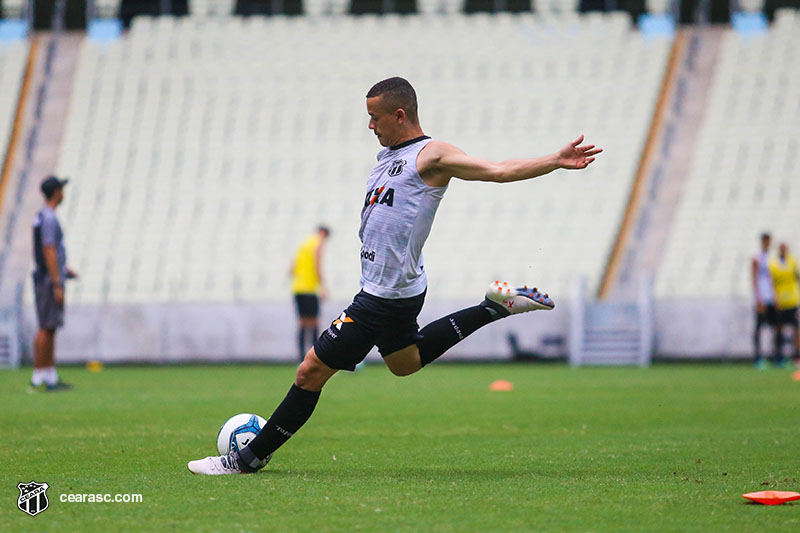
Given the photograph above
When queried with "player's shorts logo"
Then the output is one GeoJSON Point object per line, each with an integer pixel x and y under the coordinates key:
{"type": "Point", "coordinates": [397, 167]}
{"type": "Point", "coordinates": [343, 319]}
{"type": "Point", "coordinates": [32, 497]}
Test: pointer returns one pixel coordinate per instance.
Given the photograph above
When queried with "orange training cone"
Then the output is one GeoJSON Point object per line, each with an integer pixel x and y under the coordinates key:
{"type": "Point", "coordinates": [772, 497]}
{"type": "Point", "coordinates": [501, 384]}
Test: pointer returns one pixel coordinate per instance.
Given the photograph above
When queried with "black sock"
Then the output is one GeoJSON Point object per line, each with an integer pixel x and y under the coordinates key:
{"type": "Point", "coordinates": [291, 414]}
{"type": "Point", "coordinates": [301, 342]}
{"type": "Point", "coordinates": [757, 344]}
{"type": "Point", "coordinates": [778, 357]}
{"type": "Point", "coordinates": [314, 331]}
{"type": "Point", "coordinates": [441, 335]}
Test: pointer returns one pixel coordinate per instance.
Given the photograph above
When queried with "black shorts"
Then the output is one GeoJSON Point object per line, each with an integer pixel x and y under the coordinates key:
{"type": "Point", "coordinates": [49, 313]}
{"type": "Point", "coordinates": [369, 321]}
{"type": "Point", "coordinates": [307, 305]}
{"type": "Point", "coordinates": [788, 317]}
{"type": "Point", "coordinates": [769, 317]}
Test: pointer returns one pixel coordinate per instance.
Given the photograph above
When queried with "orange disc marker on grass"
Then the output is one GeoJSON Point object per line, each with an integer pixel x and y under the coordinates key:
{"type": "Point", "coordinates": [501, 384]}
{"type": "Point", "coordinates": [772, 497]}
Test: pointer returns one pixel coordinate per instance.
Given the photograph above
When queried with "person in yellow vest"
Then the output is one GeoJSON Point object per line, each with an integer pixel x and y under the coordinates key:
{"type": "Point", "coordinates": [308, 287]}
{"type": "Point", "coordinates": [786, 277]}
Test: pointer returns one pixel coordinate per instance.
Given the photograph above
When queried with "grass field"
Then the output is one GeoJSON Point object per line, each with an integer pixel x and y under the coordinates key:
{"type": "Point", "coordinates": [670, 448]}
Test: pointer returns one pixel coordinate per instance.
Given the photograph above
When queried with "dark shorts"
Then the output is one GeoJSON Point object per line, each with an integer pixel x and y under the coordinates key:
{"type": "Point", "coordinates": [49, 313]}
{"type": "Point", "coordinates": [768, 318]}
{"type": "Point", "coordinates": [307, 305]}
{"type": "Point", "coordinates": [788, 317]}
{"type": "Point", "coordinates": [369, 321]}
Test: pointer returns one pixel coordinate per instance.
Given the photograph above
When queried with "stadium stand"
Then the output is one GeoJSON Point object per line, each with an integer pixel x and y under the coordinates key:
{"type": "Point", "coordinates": [657, 6]}
{"type": "Point", "coordinates": [556, 6]}
{"type": "Point", "coordinates": [744, 174]}
{"type": "Point", "coordinates": [751, 6]}
{"type": "Point", "coordinates": [110, 8]}
{"type": "Point", "coordinates": [13, 56]}
{"type": "Point", "coordinates": [203, 149]}
{"type": "Point", "coordinates": [12, 8]}
{"type": "Point", "coordinates": [211, 7]}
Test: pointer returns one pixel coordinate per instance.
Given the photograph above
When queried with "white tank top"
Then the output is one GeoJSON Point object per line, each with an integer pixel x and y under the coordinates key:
{"type": "Point", "coordinates": [764, 285]}
{"type": "Point", "coordinates": [395, 222]}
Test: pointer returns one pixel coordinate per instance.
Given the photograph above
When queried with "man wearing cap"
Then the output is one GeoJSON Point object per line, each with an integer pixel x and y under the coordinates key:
{"type": "Point", "coordinates": [48, 282]}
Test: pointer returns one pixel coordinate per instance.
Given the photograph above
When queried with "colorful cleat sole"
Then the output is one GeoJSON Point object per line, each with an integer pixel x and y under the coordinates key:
{"type": "Point", "coordinates": [510, 300]}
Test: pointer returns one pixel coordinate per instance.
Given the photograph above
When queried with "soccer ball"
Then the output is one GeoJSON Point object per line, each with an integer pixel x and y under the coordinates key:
{"type": "Point", "coordinates": [237, 433]}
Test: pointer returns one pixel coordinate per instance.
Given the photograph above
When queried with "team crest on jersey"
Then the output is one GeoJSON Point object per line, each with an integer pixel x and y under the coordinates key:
{"type": "Point", "coordinates": [397, 167]}
{"type": "Point", "coordinates": [32, 497]}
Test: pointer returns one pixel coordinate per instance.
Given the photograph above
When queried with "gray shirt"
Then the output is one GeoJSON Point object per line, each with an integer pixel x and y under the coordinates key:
{"type": "Point", "coordinates": [47, 232]}
{"type": "Point", "coordinates": [395, 222]}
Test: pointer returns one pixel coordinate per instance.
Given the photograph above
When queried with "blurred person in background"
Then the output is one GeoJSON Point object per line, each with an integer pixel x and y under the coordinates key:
{"type": "Point", "coordinates": [308, 287]}
{"type": "Point", "coordinates": [48, 282]}
{"type": "Point", "coordinates": [786, 279]}
{"type": "Point", "coordinates": [764, 291]}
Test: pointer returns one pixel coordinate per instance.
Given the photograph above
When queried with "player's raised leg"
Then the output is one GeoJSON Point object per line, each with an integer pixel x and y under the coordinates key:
{"type": "Point", "coordinates": [501, 300]}
{"type": "Point", "coordinates": [294, 411]}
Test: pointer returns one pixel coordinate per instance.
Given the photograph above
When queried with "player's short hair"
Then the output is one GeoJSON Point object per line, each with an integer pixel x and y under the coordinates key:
{"type": "Point", "coordinates": [324, 229]}
{"type": "Point", "coordinates": [765, 235]}
{"type": "Point", "coordinates": [399, 94]}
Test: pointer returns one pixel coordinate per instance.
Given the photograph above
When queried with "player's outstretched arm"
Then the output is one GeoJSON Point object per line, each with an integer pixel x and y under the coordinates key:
{"type": "Point", "coordinates": [439, 161]}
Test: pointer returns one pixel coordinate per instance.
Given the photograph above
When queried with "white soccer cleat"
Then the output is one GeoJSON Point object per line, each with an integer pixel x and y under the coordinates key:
{"type": "Point", "coordinates": [507, 300]}
{"type": "Point", "coordinates": [216, 465]}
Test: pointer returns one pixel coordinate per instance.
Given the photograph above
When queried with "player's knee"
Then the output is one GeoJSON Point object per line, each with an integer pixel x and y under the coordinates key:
{"type": "Point", "coordinates": [404, 362]}
{"type": "Point", "coordinates": [306, 379]}
{"type": "Point", "coordinates": [310, 373]}
{"type": "Point", "coordinates": [403, 370]}
{"type": "Point", "coordinates": [305, 374]}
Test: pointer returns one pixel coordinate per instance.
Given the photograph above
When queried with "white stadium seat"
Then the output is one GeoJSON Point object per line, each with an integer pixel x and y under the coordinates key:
{"type": "Point", "coordinates": [203, 149]}
{"type": "Point", "coordinates": [744, 176]}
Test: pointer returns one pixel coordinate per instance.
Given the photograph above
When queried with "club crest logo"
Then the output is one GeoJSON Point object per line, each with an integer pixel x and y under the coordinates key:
{"type": "Point", "coordinates": [397, 167]}
{"type": "Point", "coordinates": [32, 497]}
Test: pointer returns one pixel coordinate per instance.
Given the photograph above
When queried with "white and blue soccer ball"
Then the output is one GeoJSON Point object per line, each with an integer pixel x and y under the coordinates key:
{"type": "Point", "coordinates": [237, 433]}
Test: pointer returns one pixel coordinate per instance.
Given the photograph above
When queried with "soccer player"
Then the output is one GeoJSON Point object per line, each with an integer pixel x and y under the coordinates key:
{"type": "Point", "coordinates": [308, 287]}
{"type": "Point", "coordinates": [786, 277]}
{"type": "Point", "coordinates": [764, 292]}
{"type": "Point", "coordinates": [48, 284]}
{"type": "Point", "coordinates": [403, 192]}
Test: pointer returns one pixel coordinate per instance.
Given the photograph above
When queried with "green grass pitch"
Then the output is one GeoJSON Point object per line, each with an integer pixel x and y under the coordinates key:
{"type": "Point", "coordinates": [670, 448]}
